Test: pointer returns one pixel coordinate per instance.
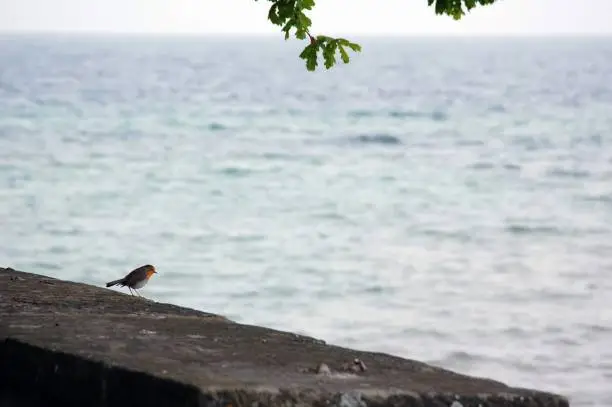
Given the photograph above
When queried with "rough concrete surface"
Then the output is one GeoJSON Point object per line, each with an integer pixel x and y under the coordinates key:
{"type": "Point", "coordinates": [70, 344]}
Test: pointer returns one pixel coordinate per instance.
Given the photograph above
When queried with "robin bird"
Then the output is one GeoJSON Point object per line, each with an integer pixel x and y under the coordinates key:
{"type": "Point", "coordinates": [135, 279]}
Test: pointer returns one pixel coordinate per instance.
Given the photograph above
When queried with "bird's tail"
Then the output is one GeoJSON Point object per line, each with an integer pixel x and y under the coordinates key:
{"type": "Point", "coordinates": [114, 282]}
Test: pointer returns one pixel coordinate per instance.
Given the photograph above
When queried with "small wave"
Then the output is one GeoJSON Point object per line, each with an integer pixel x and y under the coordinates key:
{"type": "Point", "coordinates": [427, 333]}
{"type": "Point", "coordinates": [331, 216]}
{"type": "Point", "coordinates": [527, 230]}
{"type": "Point", "coordinates": [216, 126]}
{"type": "Point", "coordinates": [461, 357]}
{"type": "Point", "coordinates": [66, 231]}
{"type": "Point", "coordinates": [481, 165]}
{"type": "Point", "coordinates": [235, 171]}
{"type": "Point", "coordinates": [486, 165]}
{"type": "Point", "coordinates": [605, 198]}
{"type": "Point", "coordinates": [59, 250]}
{"type": "Point", "coordinates": [565, 173]}
{"type": "Point", "coordinates": [377, 139]}
{"type": "Point", "coordinates": [361, 113]}
{"type": "Point", "coordinates": [250, 294]}
{"type": "Point", "coordinates": [279, 156]}
{"type": "Point", "coordinates": [531, 143]}
{"type": "Point", "coordinates": [403, 114]}
{"type": "Point", "coordinates": [469, 143]}
{"type": "Point", "coordinates": [516, 332]}
{"type": "Point", "coordinates": [435, 115]}
{"type": "Point", "coordinates": [247, 238]}
{"type": "Point", "coordinates": [376, 289]}
{"type": "Point", "coordinates": [513, 167]}
{"type": "Point", "coordinates": [45, 266]}
{"type": "Point", "coordinates": [556, 294]}
{"type": "Point", "coordinates": [457, 234]}
{"type": "Point", "coordinates": [497, 108]}
{"type": "Point", "coordinates": [439, 116]}
{"type": "Point", "coordinates": [594, 327]}
{"type": "Point", "coordinates": [595, 139]}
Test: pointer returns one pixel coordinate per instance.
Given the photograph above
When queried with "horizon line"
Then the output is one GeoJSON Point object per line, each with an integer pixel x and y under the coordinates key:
{"type": "Point", "coordinates": [280, 36]}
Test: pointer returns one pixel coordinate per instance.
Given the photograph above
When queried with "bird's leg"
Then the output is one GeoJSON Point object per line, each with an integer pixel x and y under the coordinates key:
{"type": "Point", "coordinates": [137, 293]}
{"type": "Point", "coordinates": [130, 288]}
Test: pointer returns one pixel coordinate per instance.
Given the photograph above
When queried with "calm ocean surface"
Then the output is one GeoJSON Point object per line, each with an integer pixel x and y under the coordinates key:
{"type": "Point", "coordinates": [447, 200]}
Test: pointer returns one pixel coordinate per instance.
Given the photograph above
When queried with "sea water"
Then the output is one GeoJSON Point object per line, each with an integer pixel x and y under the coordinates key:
{"type": "Point", "coordinates": [442, 199]}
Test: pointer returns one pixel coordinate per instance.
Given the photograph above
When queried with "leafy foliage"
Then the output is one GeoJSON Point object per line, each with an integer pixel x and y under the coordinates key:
{"type": "Point", "coordinates": [290, 15]}
{"type": "Point", "coordinates": [457, 8]}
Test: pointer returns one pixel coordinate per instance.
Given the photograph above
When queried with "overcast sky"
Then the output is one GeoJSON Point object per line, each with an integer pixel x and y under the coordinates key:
{"type": "Point", "coordinates": [330, 17]}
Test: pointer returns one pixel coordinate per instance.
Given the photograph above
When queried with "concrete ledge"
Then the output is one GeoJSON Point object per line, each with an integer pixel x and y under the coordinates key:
{"type": "Point", "coordinates": [70, 344]}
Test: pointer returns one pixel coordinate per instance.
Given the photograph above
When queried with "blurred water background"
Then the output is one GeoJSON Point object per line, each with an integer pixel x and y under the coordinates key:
{"type": "Point", "coordinates": [443, 199]}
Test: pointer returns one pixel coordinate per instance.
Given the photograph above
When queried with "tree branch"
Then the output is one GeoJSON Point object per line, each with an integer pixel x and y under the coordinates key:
{"type": "Point", "coordinates": [290, 15]}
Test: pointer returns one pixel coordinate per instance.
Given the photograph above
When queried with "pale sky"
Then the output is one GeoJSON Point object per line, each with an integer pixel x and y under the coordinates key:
{"type": "Point", "coordinates": [332, 17]}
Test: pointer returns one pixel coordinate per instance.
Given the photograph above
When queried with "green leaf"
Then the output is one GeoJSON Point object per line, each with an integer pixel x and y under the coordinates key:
{"type": "Point", "coordinates": [307, 51]}
{"type": "Point", "coordinates": [309, 54]}
{"type": "Point", "coordinates": [441, 7]}
{"type": "Point", "coordinates": [354, 47]}
{"type": "Point", "coordinates": [329, 53]}
{"type": "Point", "coordinates": [343, 54]}
{"type": "Point", "coordinates": [346, 43]}
{"type": "Point", "coordinates": [305, 22]}
{"type": "Point", "coordinates": [286, 9]}
{"type": "Point", "coordinates": [300, 33]}
{"type": "Point", "coordinates": [306, 4]}
{"type": "Point", "coordinates": [273, 15]}
{"type": "Point", "coordinates": [287, 27]}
